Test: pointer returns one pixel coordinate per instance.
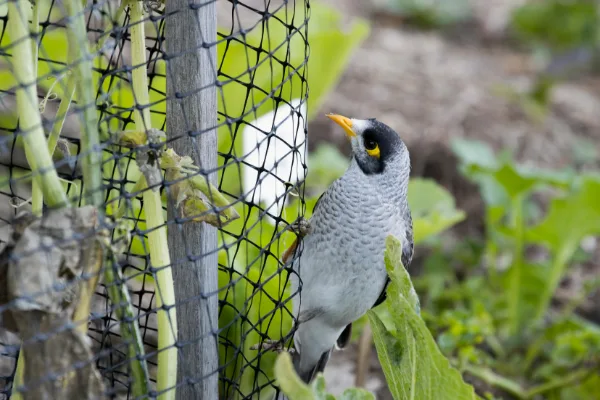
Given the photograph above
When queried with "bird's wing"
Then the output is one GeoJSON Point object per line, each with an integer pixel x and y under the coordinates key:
{"type": "Point", "coordinates": [344, 338]}
{"type": "Point", "coordinates": [406, 258]}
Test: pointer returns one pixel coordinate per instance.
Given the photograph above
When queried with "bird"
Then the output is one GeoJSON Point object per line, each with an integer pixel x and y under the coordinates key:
{"type": "Point", "coordinates": [337, 259]}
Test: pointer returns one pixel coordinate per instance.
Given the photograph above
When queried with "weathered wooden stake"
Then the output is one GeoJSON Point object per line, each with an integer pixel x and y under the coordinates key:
{"type": "Point", "coordinates": [190, 31]}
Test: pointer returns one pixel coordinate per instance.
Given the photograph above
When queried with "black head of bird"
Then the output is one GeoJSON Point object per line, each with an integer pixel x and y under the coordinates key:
{"type": "Point", "coordinates": [375, 146]}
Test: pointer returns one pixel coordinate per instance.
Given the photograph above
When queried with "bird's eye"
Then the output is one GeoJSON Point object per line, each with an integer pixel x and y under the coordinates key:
{"type": "Point", "coordinates": [372, 148]}
{"type": "Point", "coordinates": [370, 144]}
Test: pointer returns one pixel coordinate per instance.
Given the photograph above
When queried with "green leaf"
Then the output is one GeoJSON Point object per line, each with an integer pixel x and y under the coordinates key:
{"type": "Point", "coordinates": [289, 382]}
{"type": "Point", "coordinates": [402, 286]}
{"type": "Point", "coordinates": [318, 389]}
{"type": "Point", "coordinates": [570, 218]}
{"type": "Point", "coordinates": [432, 207]}
{"type": "Point", "coordinates": [500, 179]}
{"type": "Point", "coordinates": [356, 394]}
{"type": "Point", "coordinates": [514, 183]}
{"type": "Point", "coordinates": [413, 365]}
{"type": "Point", "coordinates": [532, 277]}
{"type": "Point", "coordinates": [474, 152]}
{"type": "Point", "coordinates": [293, 387]}
{"type": "Point", "coordinates": [568, 221]}
{"type": "Point", "coordinates": [584, 390]}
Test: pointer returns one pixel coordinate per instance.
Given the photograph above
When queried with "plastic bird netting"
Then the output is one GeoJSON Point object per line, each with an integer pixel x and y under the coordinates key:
{"type": "Point", "coordinates": [151, 164]}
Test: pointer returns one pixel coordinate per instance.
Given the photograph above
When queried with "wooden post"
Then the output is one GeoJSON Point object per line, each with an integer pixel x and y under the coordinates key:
{"type": "Point", "coordinates": [190, 33]}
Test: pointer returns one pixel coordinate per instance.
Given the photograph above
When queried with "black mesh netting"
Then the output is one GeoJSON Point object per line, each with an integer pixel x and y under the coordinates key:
{"type": "Point", "coordinates": [220, 91]}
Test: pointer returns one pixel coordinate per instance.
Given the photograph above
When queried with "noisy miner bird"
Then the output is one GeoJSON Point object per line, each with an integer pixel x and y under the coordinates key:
{"type": "Point", "coordinates": [341, 272]}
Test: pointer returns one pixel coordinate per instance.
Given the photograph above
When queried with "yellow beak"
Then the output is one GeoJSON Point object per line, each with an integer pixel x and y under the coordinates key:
{"type": "Point", "coordinates": [344, 122]}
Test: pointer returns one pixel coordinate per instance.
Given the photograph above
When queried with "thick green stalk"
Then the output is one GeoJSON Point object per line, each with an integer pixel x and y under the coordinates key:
{"type": "Point", "coordinates": [37, 197]}
{"type": "Point", "coordinates": [30, 121]}
{"type": "Point", "coordinates": [159, 250]}
{"type": "Point", "coordinates": [79, 53]}
{"type": "Point", "coordinates": [515, 272]}
{"type": "Point", "coordinates": [129, 331]}
{"type": "Point", "coordinates": [569, 379]}
{"type": "Point", "coordinates": [110, 26]}
{"type": "Point", "coordinates": [45, 179]}
{"type": "Point", "coordinates": [491, 378]}
{"type": "Point", "coordinates": [61, 114]}
{"type": "Point", "coordinates": [165, 296]}
{"type": "Point", "coordinates": [69, 91]}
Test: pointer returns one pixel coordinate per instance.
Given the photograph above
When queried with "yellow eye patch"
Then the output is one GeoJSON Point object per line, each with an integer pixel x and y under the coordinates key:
{"type": "Point", "coordinates": [374, 152]}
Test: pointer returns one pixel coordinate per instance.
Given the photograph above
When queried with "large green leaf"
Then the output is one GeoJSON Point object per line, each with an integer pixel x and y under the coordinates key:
{"type": "Point", "coordinates": [499, 178]}
{"type": "Point", "coordinates": [432, 207]}
{"type": "Point", "coordinates": [414, 367]}
{"type": "Point", "coordinates": [570, 218]}
{"type": "Point", "coordinates": [568, 221]}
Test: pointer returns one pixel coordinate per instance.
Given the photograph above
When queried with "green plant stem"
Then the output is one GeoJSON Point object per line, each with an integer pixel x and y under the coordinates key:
{"type": "Point", "coordinates": [166, 378]}
{"type": "Point", "coordinates": [130, 331]}
{"type": "Point", "coordinates": [18, 380]}
{"type": "Point", "coordinates": [37, 197]}
{"type": "Point", "coordinates": [79, 53]}
{"type": "Point", "coordinates": [165, 299]}
{"type": "Point", "coordinates": [94, 194]}
{"type": "Point", "coordinates": [45, 178]}
{"type": "Point", "coordinates": [491, 249]}
{"type": "Point", "coordinates": [110, 26]}
{"type": "Point", "coordinates": [30, 121]}
{"type": "Point", "coordinates": [532, 352]}
{"type": "Point", "coordinates": [496, 346]}
{"type": "Point", "coordinates": [514, 294]}
{"type": "Point", "coordinates": [61, 114]}
{"type": "Point", "coordinates": [559, 382]}
{"type": "Point", "coordinates": [557, 269]}
{"type": "Point", "coordinates": [65, 102]}
{"type": "Point", "coordinates": [493, 379]}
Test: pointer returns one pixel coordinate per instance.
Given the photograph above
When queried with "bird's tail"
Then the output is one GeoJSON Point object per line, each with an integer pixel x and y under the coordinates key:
{"type": "Point", "coordinates": [306, 376]}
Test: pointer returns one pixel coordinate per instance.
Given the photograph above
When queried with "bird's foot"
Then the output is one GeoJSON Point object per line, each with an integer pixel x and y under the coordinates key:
{"type": "Point", "coordinates": [301, 227]}
{"type": "Point", "coordinates": [272, 345]}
